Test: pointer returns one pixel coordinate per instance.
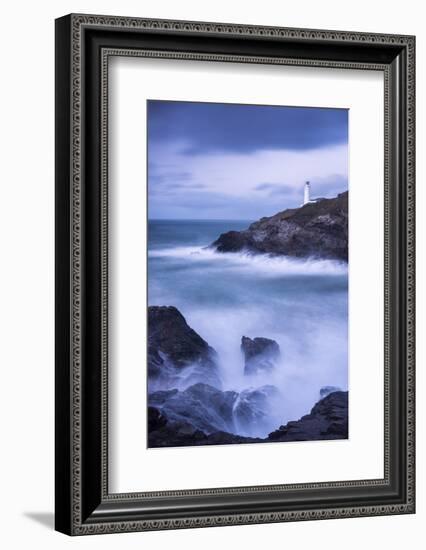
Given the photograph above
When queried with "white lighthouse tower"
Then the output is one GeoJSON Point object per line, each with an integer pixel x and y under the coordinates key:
{"type": "Point", "coordinates": [307, 193]}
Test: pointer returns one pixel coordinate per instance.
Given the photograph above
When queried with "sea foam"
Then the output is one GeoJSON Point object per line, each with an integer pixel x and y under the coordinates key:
{"type": "Point", "coordinates": [264, 264]}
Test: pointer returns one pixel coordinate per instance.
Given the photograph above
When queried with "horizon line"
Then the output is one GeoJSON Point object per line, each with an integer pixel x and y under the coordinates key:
{"type": "Point", "coordinates": [199, 219]}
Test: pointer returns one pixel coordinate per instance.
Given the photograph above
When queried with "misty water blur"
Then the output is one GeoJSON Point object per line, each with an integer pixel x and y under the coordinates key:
{"type": "Point", "coordinates": [301, 304]}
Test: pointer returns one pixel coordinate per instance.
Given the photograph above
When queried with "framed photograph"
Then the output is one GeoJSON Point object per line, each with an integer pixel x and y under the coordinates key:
{"type": "Point", "coordinates": [234, 274]}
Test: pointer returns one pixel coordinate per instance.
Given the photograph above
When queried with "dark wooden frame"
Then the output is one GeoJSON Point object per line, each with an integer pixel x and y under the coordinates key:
{"type": "Point", "coordinates": [83, 46]}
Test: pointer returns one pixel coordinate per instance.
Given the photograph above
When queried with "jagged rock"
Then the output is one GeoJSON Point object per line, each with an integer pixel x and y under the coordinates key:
{"type": "Point", "coordinates": [170, 334]}
{"type": "Point", "coordinates": [160, 397]}
{"type": "Point", "coordinates": [260, 354]}
{"type": "Point", "coordinates": [326, 390]}
{"type": "Point", "coordinates": [253, 408]}
{"type": "Point", "coordinates": [204, 407]}
{"type": "Point", "coordinates": [314, 230]}
{"type": "Point", "coordinates": [176, 353]}
{"type": "Point", "coordinates": [156, 420]}
{"type": "Point", "coordinates": [175, 436]}
{"type": "Point", "coordinates": [223, 438]}
{"type": "Point", "coordinates": [327, 420]}
{"type": "Point", "coordinates": [163, 432]}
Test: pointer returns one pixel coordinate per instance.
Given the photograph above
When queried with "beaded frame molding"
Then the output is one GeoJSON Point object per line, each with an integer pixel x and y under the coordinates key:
{"type": "Point", "coordinates": [84, 44]}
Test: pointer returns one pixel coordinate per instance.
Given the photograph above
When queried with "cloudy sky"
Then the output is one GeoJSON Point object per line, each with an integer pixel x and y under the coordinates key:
{"type": "Point", "coordinates": [227, 161]}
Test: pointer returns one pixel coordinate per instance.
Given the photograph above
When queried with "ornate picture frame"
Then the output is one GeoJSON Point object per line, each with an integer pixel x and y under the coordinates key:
{"type": "Point", "coordinates": [84, 45]}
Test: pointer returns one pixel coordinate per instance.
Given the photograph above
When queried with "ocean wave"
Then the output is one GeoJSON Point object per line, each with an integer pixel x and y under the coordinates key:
{"type": "Point", "coordinates": [264, 263]}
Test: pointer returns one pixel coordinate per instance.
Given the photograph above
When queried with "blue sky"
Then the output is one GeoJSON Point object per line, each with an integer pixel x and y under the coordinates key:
{"type": "Point", "coordinates": [227, 161]}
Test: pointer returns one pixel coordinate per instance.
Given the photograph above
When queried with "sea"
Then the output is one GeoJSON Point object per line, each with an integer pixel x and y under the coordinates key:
{"type": "Point", "coordinates": [302, 304]}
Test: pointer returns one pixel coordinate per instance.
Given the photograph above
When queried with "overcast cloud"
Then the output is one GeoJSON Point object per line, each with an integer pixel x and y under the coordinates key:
{"type": "Point", "coordinates": [241, 162]}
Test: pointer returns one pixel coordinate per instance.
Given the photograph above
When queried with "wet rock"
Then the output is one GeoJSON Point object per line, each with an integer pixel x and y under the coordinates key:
{"type": "Point", "coordinates": [314, 230]}
{"type": "Point", "coordinates": [260, 354]}
{"type": "Point", "coordinates": [203, 406]}
{"type": "Point", "coordinates": [176, 353]}
{"type": "Point", "coordinates": [174, 435]}
{"type": "Point", "coordinates": [202, 414]}
{"type": "Point", "coordinates": [156, 420]}
{"type": "Point", "coordinates": [223, 438]}
{"type": "Point", "coordinates": [328, 419]}
{"type": "Point", "coordinates": [253, 409]}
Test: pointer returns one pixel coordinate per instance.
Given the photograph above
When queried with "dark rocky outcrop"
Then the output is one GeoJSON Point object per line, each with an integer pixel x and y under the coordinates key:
{"type": "Point", "coordinates": [326, 390]}
{"type": "Point", "coordinates": [253, 408]}
{"type": "Point", "coordinates": [203, 414]}
{"type": "Point", "coordinates": [327, 420]}
{"type": "Point", "coordinates": [156, 420]}
{"type": "Point", "coordinates": [206, 408]}
{"type": "Point", "coordinates": [317, 229]}
{"type": "Point", "coordinates": [176, 351]}
{"type": "Point", "coordinates": [211, 410]}
{"type": "Point", "coordinates": [182, 434]}
{"type": "Point", "coordinates": [260, 354]}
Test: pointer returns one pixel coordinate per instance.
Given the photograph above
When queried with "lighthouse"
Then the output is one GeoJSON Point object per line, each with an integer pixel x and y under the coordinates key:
{"type": "Point", "coordinates": [307, 193]}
